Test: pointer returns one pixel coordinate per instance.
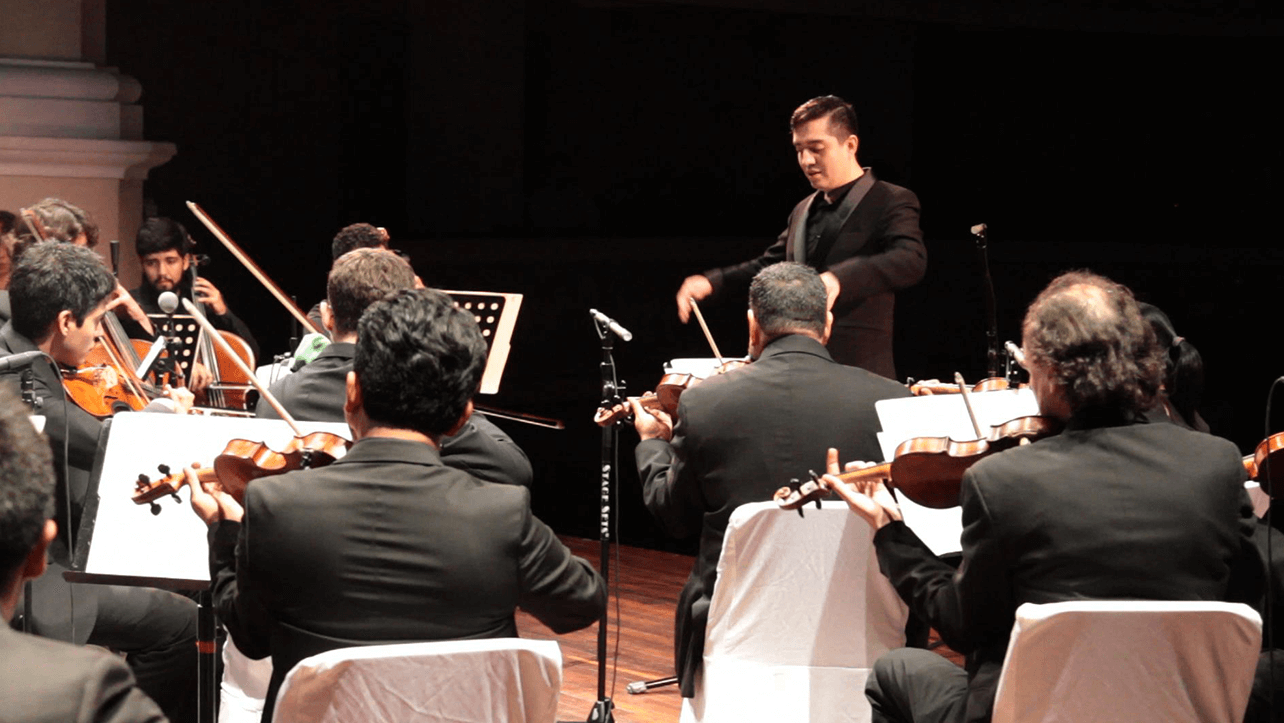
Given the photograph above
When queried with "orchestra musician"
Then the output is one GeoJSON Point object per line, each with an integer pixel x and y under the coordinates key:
{"type": "Point", "coordinates": [165, 254]}
{"type": "Point", "coordinates": [738, 436]}
{"type": "Point", "coordinates": [54, 219]}
{"type": "Point", "coordinates": [59, 293]}
{"type": "Point", "coordinates": [317, 391]}
{"type": "Point", "coordinates": [353, 236]}
{"type": "Point", "coordinates": [861, 233]}
{"type": "Point", "coordinates": [388, 544]}
{"type": "Point", "coordinates": [1038, 523]}
{"type": "Point", "coordinates": [46, 681]}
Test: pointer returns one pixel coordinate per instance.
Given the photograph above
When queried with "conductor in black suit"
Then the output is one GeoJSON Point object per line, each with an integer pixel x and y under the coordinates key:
{"type": "Point", "coordinates": [316, 392]}
{"type": "Point", "coordinates": [44, 680]}
{"type": "Point", "coordinates": [861, 233]}
{"type": "Point", "coordinates": [1112, 507]}
{"type": "Point", "coordinates": [388, 544]}
{"type": "Point", "coordinates": [740, 436]}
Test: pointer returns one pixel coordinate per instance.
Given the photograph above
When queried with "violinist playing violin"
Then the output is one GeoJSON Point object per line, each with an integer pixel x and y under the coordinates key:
{"type": "Point", "coordinates": [387, 543]}
{"type": "Point", "coordinates": [165, 254]}
{"type": "Point", "coordinates": [316, 392]}
{"type": "Point", "coordinates": [739, 434]}
{"type": "Point", "coordinates": [54, 219]}
{"type": "Point", "coordinates": [59, 293]}
{"type": "Point", "coordinates": [1113, 507]}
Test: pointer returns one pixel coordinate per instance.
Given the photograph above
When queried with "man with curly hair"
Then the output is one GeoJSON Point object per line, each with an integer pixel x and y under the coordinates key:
{"type": "Point", "coordinates": [1112, 507]}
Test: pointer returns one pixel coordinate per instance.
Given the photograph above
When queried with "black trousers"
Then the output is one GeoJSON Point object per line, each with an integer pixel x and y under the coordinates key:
{"type": "Point", "coordinates": [155, 629]}
{"type": "Point", "coordinates": [909, 685]}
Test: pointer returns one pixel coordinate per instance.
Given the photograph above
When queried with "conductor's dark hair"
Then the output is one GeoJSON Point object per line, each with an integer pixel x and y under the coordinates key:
{"type": "Point", "coordinates": [842, 117]}
{"type": "Point", "coordinates": [1183, 365]}
{"type": "Point", "coordinates": [788, 298]}
{"type": "Point", "coordinates": [52, 219]}
{"type": "Point", "coordinates": [162, 234]}
{"type": "Point", "coordinates": [1089, 332]}
{"type": "Point", "coordinates": [357, 236]}
{"type": "Point", "coordinates": [51, 278]}
{"type": "Point", "coordinates": [419, 360]}
{"type": "Point", "coordinates": [361, 277]}
{"type": "Point", "coordinates": [26, 485]}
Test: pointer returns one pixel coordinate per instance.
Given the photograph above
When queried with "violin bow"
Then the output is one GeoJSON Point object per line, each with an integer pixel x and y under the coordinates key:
{"type": "Point", "coordinates": [705, 327]}
{"type": "Point", "coordinates": [212, 333]}
{"type": "Point", "coordinates": [253, 268]}
{"type": "Point", "coordinates": [967, 401]}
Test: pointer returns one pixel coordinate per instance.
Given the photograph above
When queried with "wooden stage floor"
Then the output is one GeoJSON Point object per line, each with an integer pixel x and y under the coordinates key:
{"type": "Point", "coordinates": [649, 583]}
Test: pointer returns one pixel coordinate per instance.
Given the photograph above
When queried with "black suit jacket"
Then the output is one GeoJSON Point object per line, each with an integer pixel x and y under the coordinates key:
{"type": "Point", "coordinates": [316, 393]}
{"type": "Point", "coordinates": [878, 251]}
{"type": "Point", "coordinates": [1104, 510]}
{"type": "Point", "coordinates": [63, 421]}
{"type": "Point", "coordinates": [389, 545]}
{"type": "Point", "coordinates": [46, 681]}
{"type": "Point", "coordinates": [738, 438]}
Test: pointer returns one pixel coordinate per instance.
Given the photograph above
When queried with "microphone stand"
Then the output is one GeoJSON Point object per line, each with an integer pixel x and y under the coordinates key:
{"type": "Point", "coordinates": [612, 393]}
{"type": "Point", "coordinates": [992, 328]}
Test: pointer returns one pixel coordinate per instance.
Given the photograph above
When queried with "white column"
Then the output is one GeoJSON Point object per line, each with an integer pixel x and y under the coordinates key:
{"type": "Point", "coordinates": [71, 129]}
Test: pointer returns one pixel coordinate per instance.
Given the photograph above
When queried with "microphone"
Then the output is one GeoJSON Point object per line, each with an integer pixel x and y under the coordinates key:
{"type": "Point", "coordinates": [18, 361]}
{"type": "Point", "coordinates": [168, 302]}
{"type": "Point", "coordinates": [1015, 352]}
{"type": "Point", "coordinates": [611, 324]}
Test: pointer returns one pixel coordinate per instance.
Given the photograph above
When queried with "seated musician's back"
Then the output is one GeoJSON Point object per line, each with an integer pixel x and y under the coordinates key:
{"type": "Point", "coordinates": [1112, 507]}
{"type": "Point", "coordinates": [315, 393]}
{"type": "Point", "coordinates": [387, 544]}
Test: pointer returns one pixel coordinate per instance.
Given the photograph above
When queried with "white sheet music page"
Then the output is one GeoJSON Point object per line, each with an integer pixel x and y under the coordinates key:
{"type": "Point", "coordinates": [944, 415]}
{"type": "Point", "coordinates": [128, 539]}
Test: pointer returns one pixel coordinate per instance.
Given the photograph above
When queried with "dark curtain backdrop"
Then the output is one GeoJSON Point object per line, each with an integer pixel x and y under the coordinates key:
{"type": "Point", "coordinates": [592, 154]}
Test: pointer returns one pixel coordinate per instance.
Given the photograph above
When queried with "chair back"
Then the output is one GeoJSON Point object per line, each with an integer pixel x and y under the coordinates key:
{"type": "Point", "coordinates": [498, 680]}
{"type": "Point", "coordinates": [1129, 660]}
{"type": "Point", "coordinates": [799, 614]}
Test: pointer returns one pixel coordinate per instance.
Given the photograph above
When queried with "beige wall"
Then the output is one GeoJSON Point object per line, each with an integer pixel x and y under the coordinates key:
{"type": "Point", "coordinates": [41, 29]}
{"type": "Point", "coordinates": [115, 205]}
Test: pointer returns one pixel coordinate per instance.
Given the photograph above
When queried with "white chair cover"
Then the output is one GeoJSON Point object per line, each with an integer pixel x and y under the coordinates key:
{"type": "Point", "coordinates": [799, 615]}
{"type": "Point", "coordinates": [244, 686]}
{"type": "Point", "coordinates": [499, 680]}
{"type": "Point", "coordinates": [1129, 660]}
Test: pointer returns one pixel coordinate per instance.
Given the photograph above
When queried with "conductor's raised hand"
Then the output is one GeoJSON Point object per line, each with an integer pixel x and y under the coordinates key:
{"type": "Point", "coordinates": [694, 288]}
{"type": "Point", "coordinates": [868, 498]}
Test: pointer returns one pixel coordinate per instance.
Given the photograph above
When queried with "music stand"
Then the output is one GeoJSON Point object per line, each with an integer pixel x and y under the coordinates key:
{"type": "Point", "coordinates": [117, 537]}
{"type": "Point", "coordinates": [187, 336]}
{"type": "Point", "coordinates": [944, 415]}
{"type": "Point", "coordinates": [496, 314]}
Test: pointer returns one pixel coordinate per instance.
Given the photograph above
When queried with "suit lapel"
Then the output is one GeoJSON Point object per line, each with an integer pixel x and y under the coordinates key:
{"type": "Point", "coordinates": [798, 230]}
{"type": "Point", "coordinates": [845, 210]}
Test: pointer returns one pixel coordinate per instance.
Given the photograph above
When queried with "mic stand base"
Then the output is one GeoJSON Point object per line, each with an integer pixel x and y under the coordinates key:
{"type": "Point", "coordinates": [601, 712]}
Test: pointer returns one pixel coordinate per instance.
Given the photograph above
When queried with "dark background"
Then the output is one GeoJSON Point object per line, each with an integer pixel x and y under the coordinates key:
{"type": "Point", "coordinates": [592, 154]}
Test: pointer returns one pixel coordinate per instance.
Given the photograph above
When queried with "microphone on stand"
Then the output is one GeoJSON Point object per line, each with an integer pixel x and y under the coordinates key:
{"type": "Point", "coordinates": [611, 324]}
{"type": "Point", "coordinates": [20, 360]}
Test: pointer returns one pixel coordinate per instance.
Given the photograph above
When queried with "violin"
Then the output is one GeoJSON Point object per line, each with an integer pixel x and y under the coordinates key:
{"type": "Point", "coordinates": [665, 397]}
{"type": "Point", "coordinates": [928, 387]}
{"type": "Point", "coordinates": [1269, 452]}
{"type": "Point", "coordinates": [240, 463]}
{"type": "Point", "coordinates": [928, 470]}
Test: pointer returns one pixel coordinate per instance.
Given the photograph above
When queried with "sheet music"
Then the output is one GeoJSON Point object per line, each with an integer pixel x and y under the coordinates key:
{"type": "Point", "coordinates": [130, 541]}
{"type": "Point", "coordinates": [944, 415]}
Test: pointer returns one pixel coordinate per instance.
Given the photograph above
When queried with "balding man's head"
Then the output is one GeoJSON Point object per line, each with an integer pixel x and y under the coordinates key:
{"type": "Point", "coordinates": [1089, 334]}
